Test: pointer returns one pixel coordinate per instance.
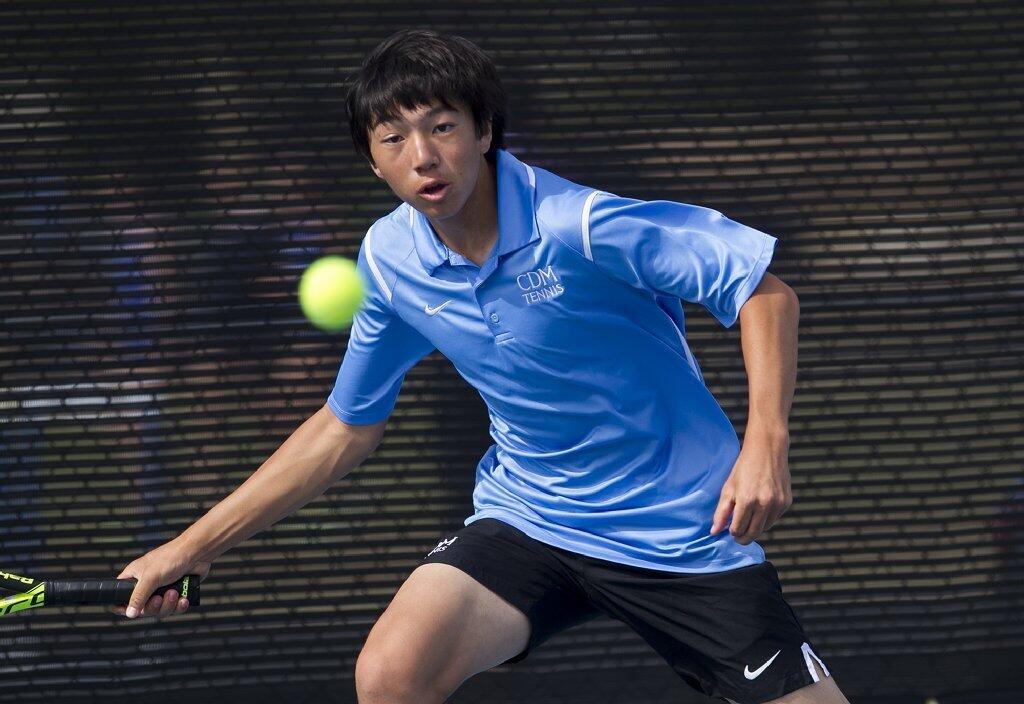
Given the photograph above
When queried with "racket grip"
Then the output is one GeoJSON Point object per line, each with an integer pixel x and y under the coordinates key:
{"type": "Point", "coordinates": [113, 592]}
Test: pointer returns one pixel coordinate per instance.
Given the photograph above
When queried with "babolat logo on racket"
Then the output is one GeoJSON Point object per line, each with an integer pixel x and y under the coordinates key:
{"type": "Point", "coordinates": [184, 587]}
{"type": "Point", "coordinates": [8, 575]}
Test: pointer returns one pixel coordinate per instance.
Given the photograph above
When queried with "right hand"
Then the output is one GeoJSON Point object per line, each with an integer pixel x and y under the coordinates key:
{"type": "Point", "coordinates": [160, 566]}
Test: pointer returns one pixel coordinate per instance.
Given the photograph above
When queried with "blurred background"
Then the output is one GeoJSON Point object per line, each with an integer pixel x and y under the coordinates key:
{"type": "Point", "coordinates": [169, 169]}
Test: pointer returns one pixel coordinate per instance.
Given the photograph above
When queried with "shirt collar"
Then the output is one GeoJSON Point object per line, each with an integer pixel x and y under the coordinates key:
{"type": "Point", "coordinates": [517, 222]}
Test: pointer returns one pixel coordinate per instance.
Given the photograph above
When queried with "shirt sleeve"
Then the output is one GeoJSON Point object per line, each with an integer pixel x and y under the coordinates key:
{"type": "Point", "coordinates": [381, 349]}
{"type": "Point", "coordinates": [676, 249]}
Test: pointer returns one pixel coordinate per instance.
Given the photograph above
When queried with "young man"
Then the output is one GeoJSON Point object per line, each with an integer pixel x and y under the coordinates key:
{"type": "Point", "coordinates": [614, 471]}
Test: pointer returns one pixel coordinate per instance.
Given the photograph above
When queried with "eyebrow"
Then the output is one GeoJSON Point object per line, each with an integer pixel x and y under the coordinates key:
{"type": "Point", "coordinates": [429, 113]}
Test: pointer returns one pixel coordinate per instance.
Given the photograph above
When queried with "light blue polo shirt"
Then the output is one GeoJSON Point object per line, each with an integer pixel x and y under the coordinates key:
{"type": "Point", "coordinates": [607, 442]}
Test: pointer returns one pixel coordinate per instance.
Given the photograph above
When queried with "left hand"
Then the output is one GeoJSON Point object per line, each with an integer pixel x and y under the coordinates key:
{"type": "Point", "coordinates": [757, 491]}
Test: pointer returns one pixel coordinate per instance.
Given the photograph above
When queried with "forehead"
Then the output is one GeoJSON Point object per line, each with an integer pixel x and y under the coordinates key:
{"type": "Point", "coordinates": [421, 112]}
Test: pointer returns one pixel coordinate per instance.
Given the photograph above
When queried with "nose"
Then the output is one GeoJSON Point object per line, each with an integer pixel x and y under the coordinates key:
{"type": "Point", "coordinates": [424, 155]}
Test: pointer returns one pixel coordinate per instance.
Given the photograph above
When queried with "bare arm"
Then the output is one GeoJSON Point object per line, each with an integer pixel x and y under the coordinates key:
{"type": "Point", "coordinates": [320, 452]}
{"type": "Point", "coordinates": [758, 490]}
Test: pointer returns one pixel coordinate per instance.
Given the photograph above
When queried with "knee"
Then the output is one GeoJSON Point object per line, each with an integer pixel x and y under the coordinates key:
{"type": "Point", "coordinates": [383, 678]}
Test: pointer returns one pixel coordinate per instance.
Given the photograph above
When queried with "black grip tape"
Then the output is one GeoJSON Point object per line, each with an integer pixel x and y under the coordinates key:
{"type": "Point", "coordinates": [113, 592]}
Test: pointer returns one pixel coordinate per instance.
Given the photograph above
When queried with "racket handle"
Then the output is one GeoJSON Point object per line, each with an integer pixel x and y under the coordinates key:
{"type": "Point", "coordinates": [112, 592]}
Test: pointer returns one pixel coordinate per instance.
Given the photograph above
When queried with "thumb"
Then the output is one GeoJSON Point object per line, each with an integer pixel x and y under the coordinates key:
{"type": "Point", "coordinates": [722, 513]}
{"type": "Point", "coordinates": [127, 573]}
{"type": "Point", "coordinates": [140, 595]}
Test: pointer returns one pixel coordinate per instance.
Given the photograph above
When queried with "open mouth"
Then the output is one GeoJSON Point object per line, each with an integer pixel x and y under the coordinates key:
{"type": "Point", "coordinates": [434, 192]}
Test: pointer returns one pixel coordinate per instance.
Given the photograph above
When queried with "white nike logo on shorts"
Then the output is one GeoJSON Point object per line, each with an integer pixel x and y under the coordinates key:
{"type": "Point", "coordinates": [753, 675]}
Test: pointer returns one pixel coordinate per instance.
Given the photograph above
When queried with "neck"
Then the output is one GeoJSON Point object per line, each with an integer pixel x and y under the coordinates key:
{"type": "Point", "coordinates": [473, 231]}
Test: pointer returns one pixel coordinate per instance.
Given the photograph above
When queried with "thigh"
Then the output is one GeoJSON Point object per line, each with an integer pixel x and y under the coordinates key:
{"type": "Point", "coordinates": [522, 571]}
{"type": "Point", "coordinates": [487, 594]}
{"type": "Point", "coordinates": [729, 634]}
{"type": "Point", "coordinates": [442, 627]}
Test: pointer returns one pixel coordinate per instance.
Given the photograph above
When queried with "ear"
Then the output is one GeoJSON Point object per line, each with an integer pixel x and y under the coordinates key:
{"type": "Point", "coordinates": [485, 139]}
{"type": "Point", "coordinates": [376, 171]}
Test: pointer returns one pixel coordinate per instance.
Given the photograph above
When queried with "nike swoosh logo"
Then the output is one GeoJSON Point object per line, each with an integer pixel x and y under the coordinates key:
{"type": "Point", "coordinates": [753, 675]}
{"type": "Point", "coordinates": [433, 311]}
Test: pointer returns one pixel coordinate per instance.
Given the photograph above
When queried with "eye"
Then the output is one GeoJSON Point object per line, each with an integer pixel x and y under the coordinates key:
{"type": "Point", "coordinates": [388, 140]}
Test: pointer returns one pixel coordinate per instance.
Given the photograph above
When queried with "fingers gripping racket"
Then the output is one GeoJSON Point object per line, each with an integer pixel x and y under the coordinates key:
{"type": "Point", "coordinates": [34, 593]}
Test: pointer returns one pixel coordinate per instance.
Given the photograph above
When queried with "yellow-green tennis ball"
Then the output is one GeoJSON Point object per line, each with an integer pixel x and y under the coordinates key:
{"type": "Point", "coordinates": [330, 292]}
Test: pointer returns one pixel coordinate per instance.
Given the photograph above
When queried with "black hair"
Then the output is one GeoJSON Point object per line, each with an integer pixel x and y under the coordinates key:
{"type": "Point", "coordinates": [414, 67]}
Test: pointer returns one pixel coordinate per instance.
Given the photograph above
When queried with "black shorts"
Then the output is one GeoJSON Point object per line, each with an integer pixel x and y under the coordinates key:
{"type": "Point", "coordinates": [728, 634]}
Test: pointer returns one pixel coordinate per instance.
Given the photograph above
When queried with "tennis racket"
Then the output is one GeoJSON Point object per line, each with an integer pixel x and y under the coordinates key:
{"type": "Point", "coordinates": [32, 593]}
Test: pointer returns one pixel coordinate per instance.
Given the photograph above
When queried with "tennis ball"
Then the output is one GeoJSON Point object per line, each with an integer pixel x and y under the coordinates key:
{"type": "Point", "coordinates": [330, 292]}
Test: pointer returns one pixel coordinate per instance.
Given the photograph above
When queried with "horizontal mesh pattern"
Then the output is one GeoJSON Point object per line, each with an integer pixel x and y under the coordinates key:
{"type": "Point", "coordinates": [169, 169]}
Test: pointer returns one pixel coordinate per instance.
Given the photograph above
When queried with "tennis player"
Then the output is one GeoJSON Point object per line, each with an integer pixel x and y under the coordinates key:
{"type": "Point", "coordinates": [616, 484]}
{"type": "Point", "coordinates": [613, 469]}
